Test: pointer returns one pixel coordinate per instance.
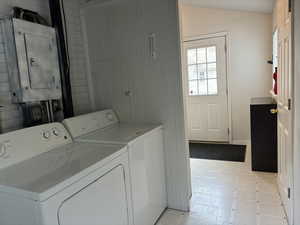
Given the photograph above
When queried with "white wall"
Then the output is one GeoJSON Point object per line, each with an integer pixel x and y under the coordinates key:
{"type": "Point", "coordinates": [117, 33]}
{"type": "Point", "coordinates": [250, 46]}
{"type": "Point", "coordinates": [11, 115]}
{"type": "Point", "coordinates": [78, 75]}
{"type": "Point", "coordinates": [297, 112]}
{"type": "Point", "coordinates": [111, 45]}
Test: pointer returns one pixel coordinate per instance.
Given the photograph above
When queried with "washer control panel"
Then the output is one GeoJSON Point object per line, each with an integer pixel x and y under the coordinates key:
{"type": "Point", "coordinates": [26, 143]}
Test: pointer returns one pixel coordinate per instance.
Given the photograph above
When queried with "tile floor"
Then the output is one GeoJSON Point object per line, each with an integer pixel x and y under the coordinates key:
{"type": "Point", "coordinates": [229, 193]}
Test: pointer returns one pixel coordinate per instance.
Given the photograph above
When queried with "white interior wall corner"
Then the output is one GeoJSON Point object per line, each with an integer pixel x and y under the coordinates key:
{"type": "Point", "coordinates": [178, 169]}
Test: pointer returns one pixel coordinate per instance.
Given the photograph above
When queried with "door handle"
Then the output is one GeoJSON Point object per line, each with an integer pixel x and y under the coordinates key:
{"type": "Point", "coordinates": [274, 111]}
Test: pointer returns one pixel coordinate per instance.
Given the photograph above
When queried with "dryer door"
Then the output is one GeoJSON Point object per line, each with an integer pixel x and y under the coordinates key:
{"type": "Point", "coordinates": [101, 203]}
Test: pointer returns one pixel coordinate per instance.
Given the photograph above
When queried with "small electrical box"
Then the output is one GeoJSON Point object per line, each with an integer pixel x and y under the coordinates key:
{"type": "Point", "coordinates": [32, 59]}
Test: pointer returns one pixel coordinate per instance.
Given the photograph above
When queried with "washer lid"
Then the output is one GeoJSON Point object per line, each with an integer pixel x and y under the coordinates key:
{"type": "Point", "coordinates": [40, 177]}
{"type": "Point", "coordinates": [120, 133]}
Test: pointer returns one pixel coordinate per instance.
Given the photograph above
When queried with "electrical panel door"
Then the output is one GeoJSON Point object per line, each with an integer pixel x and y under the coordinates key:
{"type": "Point", "coordinates": [33, 63]}
{"type": "Point", "coordinates": [41, 61]}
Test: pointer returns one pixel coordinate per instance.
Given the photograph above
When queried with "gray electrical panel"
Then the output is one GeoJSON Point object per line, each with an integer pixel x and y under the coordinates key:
{"type": "Point", "coordinates": [32, 59]}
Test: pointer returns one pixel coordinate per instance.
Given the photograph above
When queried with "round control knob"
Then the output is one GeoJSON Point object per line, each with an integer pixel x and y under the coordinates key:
{"type": "Point", "coordinates": [56, 132]}
{"type": "Point", "coordinates": [46, 134]}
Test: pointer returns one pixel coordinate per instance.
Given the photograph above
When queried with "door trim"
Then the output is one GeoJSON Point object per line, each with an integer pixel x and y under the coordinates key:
{"type": "Point", "coordinates": [226, 35]}
{"type": "Point", "coordinates": [296, 107]}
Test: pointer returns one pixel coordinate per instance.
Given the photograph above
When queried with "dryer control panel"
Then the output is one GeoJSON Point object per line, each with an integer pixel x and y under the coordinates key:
{"type": "Point", "coordinates": [87, 123]}
{"type": "Point", "coordinates": [24, 144]}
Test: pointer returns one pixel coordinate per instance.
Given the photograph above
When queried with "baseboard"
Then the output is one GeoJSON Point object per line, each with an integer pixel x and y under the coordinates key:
{"type": "Point", "coordinates": [234, 142]}
{"type": "Point", "coordinates": [241, 142]}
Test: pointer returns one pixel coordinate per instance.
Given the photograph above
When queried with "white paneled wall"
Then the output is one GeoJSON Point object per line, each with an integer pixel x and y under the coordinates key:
{"type": "Point", "coordinates": [10, 114]}
{"type": "Point", "coordinates": [138, 87]}
{"type": "Point", "coordinates": [80, 90]}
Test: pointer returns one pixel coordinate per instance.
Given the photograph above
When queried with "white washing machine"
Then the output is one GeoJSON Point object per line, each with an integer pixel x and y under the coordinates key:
{"type": "Point", "coordinates": [146, 158]}
{"type": "Point", "coordinates": [47, 179]}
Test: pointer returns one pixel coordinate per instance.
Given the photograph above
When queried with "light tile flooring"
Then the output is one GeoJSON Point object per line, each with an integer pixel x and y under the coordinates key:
{"type": "Point", "coordinates": [229, 193]}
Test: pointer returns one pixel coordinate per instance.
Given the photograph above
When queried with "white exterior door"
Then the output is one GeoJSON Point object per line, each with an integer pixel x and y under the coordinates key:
{"type": "Point", "coordinates": [285, 152]}
{"type": "Point", "coordinates": [206, 81]}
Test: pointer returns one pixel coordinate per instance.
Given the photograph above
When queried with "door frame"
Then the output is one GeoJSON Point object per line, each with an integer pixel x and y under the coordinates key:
{"type": "Point", "coordinates": [292, 174]}
{"type": "Point", "coordinates": [296, 106]}
{"type": "Point", "coordinates": [226, 35]}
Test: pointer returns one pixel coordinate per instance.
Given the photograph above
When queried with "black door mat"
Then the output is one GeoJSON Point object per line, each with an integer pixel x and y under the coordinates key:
{"type": "Point", "coordinates": [225, 152]}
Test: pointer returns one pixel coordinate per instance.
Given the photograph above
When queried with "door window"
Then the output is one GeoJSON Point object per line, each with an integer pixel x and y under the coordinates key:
{"type": "Point", "coordinates": [202, 71]}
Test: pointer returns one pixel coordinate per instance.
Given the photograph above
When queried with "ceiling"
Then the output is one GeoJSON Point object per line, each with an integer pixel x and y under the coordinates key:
{"type": "Point", "coordinates": [265, 6]}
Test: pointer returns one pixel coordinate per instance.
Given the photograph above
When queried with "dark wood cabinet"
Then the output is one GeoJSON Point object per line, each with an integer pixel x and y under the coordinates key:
{"type": "Point", "coordinates": [264, 134]}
